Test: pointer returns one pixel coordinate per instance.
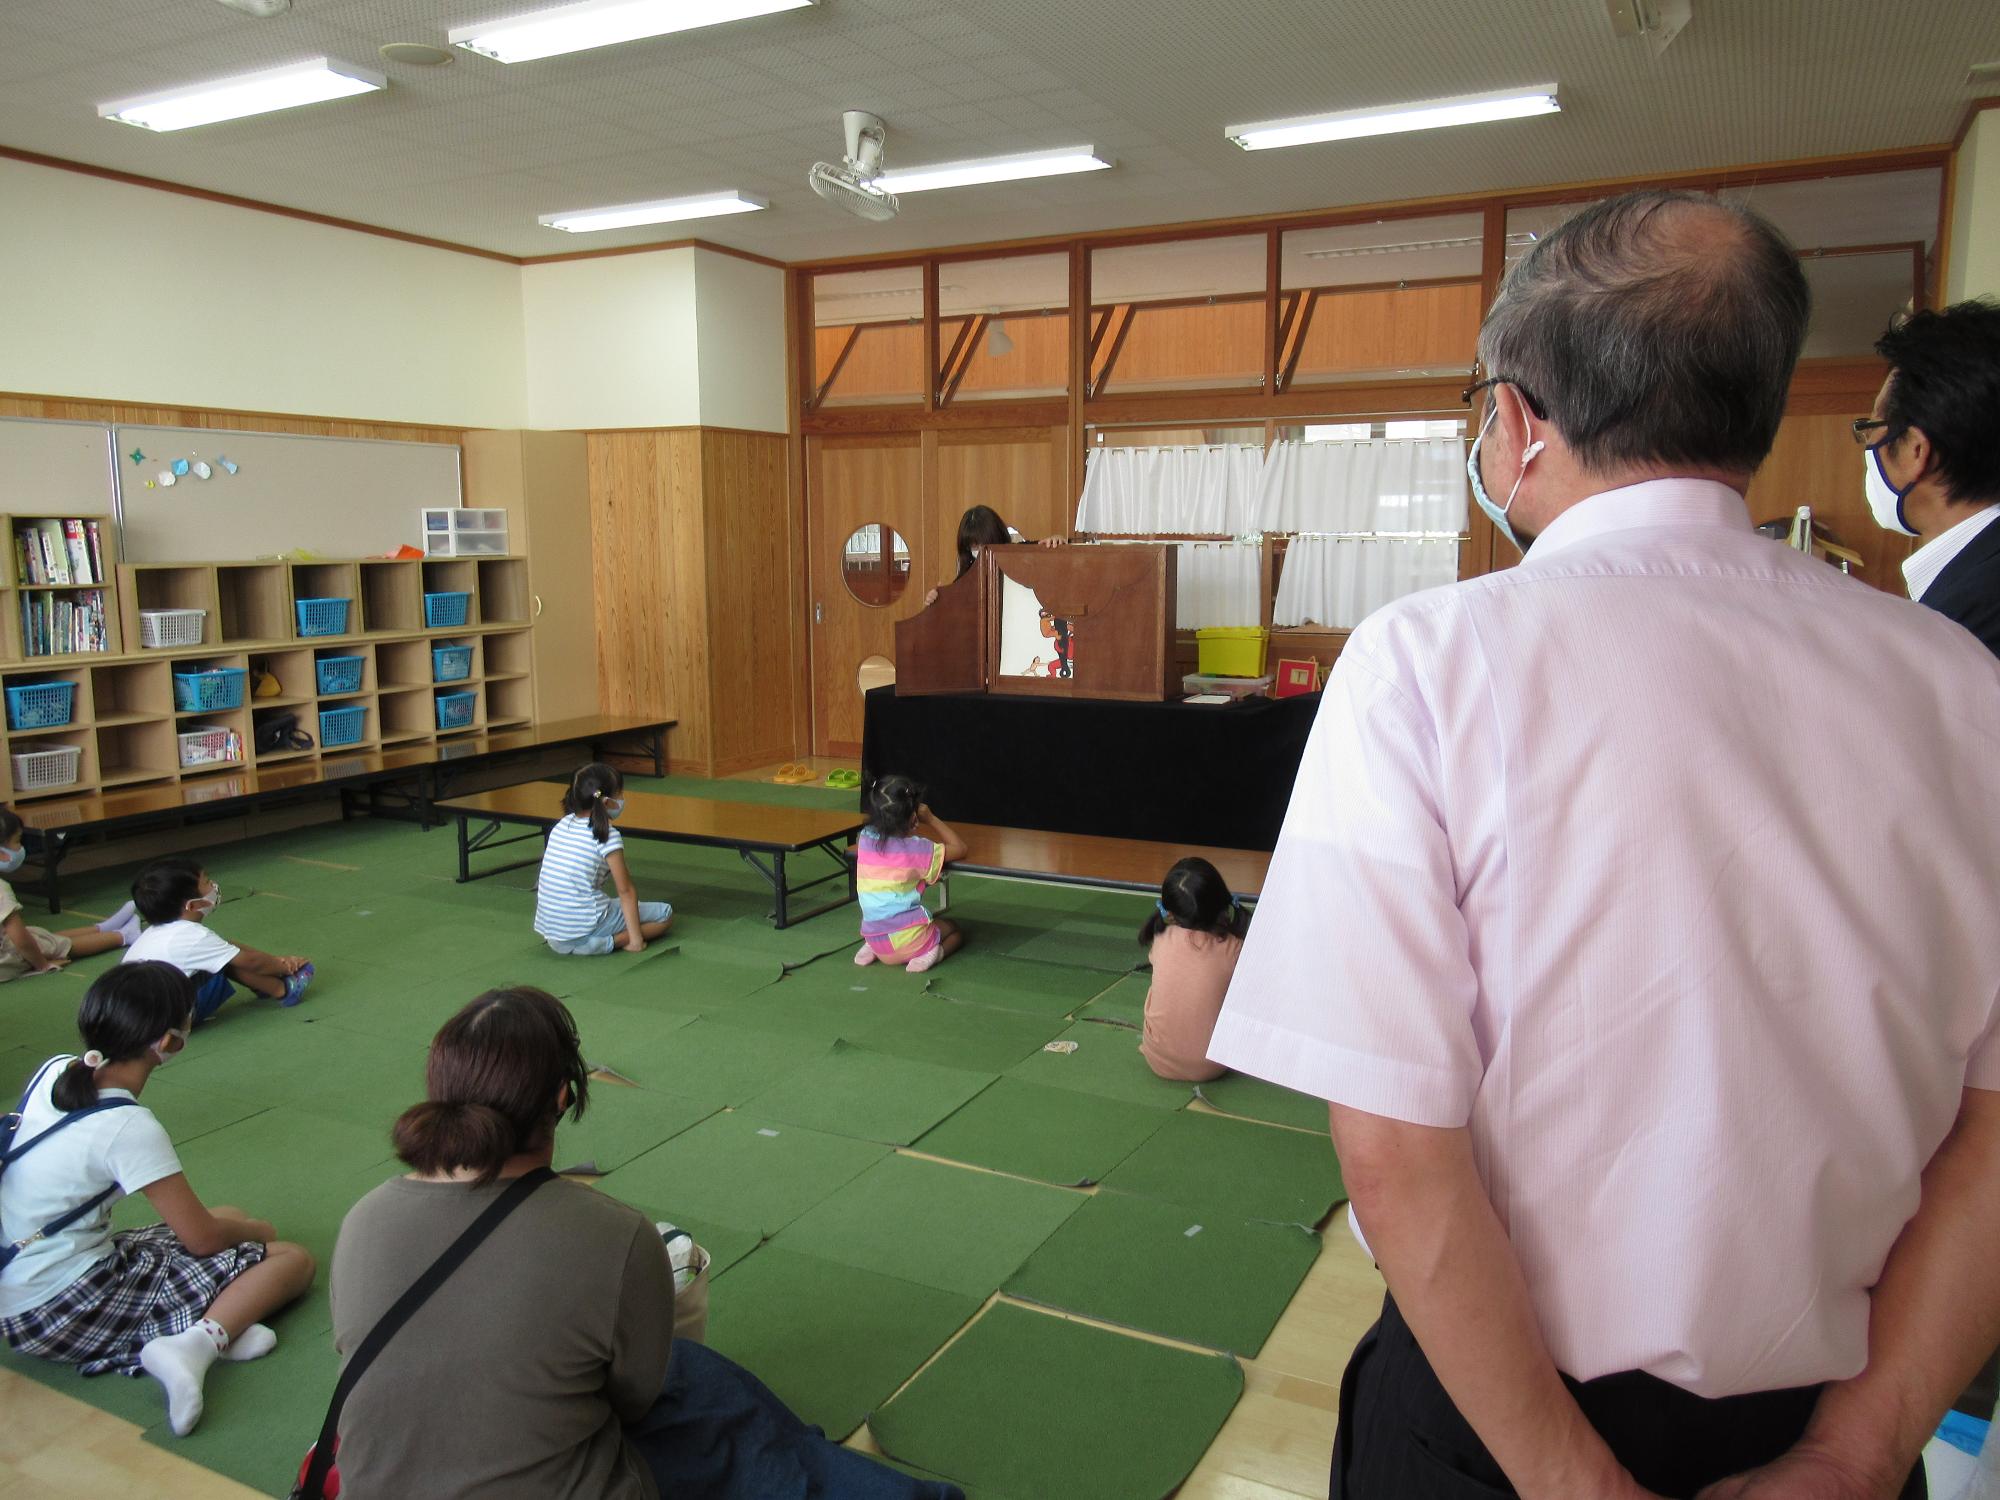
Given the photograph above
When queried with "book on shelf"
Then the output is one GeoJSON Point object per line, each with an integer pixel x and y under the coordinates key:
{"type": "Point", "coordinates": [62, 625]}
{"type": "Point", "coordinates": [65, 553]}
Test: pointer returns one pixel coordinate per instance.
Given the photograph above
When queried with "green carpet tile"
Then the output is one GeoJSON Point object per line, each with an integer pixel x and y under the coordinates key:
{"type": "Point", "coordinates": [771, 1077]}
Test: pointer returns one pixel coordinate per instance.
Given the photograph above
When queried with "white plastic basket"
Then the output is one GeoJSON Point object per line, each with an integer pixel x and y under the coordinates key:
{"type": "Point", "coordinates": [38, 770]}
{"type": "Point", "coordinates": [171, 627]}
{"type": "Point", "coordinates": [205, 744]}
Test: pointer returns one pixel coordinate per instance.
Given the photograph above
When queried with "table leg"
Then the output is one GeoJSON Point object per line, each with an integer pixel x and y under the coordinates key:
{"type": "Point", "coordinates": [784, 914]}
{"type": "Point", "coordinates": [464, 852]}
{"type": "Point", "coordinates": [53, 845]}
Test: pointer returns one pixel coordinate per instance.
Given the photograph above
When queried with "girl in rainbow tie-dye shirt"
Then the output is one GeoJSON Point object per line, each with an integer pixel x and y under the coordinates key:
{"type": "Point", "coordinates": [894, 862]}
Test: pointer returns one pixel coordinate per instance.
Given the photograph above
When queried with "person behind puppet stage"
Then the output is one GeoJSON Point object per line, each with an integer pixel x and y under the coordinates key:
{"type": "Point", "coordinates": [894, 861]}
{"type": "Point", "coordinates": [983, 526]}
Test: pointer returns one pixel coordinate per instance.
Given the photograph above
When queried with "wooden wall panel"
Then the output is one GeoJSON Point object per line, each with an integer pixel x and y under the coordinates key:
{"type": "Point", "coordinates": [1019, 472]}
{"type": "Point", "coordinates": [1379, 331]}
{"type": "Point", "coordinates": [885, 365]}
{"type": "Point", "coordinates": [1220, 344]}
{"type": "Point", "coordinates": [1037, 365]}
{"type": "Point", "coordinates": [745, 515]}
{"type": "Point", "coordinates": [66, 409]}
{"type": "Point", "coordinates": [652, 614]}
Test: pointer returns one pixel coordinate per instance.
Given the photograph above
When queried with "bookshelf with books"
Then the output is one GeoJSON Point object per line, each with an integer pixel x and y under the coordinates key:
{"type": "Point", "coordinates": [60, 601]}
{"type": "Point", "coordinates": [130, 723]}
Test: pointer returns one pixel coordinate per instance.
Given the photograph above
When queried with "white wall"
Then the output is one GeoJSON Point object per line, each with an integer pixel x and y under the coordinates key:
{"type": "Point", "coordinates": [1973, 268]}
{"type": "Point", "coordinates": [610, 342]}
{"type": "Point", "coordinates": [740, 322]}
{"type": "Point", "coordinates": [115, 292]}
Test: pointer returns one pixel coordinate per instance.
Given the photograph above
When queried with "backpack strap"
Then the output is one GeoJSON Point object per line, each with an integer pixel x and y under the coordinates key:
{"type": "Point", "coordinates": [10, 1153]}
{"type": "Point", "coordinates": [400, 1312]}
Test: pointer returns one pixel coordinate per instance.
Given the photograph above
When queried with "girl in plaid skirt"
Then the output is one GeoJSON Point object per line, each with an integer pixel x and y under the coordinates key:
{"type": "Point", "coordinates": [168, 1300]}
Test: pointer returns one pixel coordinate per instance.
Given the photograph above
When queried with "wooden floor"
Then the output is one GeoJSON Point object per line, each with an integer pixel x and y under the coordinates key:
{"type": "Point", "coordinates": [1275, 1445]}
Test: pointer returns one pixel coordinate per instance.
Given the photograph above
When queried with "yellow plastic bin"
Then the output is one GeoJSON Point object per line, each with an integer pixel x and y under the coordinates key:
{"type": "Point", "coordinates": [1231, 650]}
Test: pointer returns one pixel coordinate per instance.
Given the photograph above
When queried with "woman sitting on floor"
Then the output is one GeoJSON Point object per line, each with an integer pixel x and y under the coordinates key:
{"type": "Point", "coordinates": [546, 1365]}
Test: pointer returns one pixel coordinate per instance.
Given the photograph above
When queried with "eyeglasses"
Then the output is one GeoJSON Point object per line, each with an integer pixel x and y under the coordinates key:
{"type": "Point", "coordinates": [1480, 383]}
{"type": "Point", "coordinates": [1862, 426]}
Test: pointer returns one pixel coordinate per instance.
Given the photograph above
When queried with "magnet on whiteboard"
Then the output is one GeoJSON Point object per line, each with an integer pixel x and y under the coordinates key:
{"type": "Point", "coordinates": [180, 467]}
{"type": "Point", "coordinates": [166, 478]}
{"type": "Point", "coordinates": [202, 470]}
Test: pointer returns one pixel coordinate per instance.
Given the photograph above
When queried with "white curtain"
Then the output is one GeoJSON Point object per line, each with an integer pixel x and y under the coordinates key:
{"type": "Point", "coordinates": [1389, 484]}
{"type": "Point", "coordinates": [1216, 584]}
{"type": "Point", "coordinates": [1169, 491]}
{"type": "Point", "coordinates": [1336, 581]}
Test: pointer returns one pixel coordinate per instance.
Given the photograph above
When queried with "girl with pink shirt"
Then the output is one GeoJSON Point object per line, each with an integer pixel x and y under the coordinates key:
{"type": "Point", "coordinates": [1193, 936]}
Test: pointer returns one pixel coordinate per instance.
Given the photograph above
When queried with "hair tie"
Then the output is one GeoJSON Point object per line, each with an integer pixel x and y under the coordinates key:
{"type": "Point", "coordinates": [93, 1059]}
{"type": "Point", "coordinates": [1161, 908]}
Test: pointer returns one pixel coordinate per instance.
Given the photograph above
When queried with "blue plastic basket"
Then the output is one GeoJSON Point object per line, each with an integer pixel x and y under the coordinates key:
{"type": "Point", "coordinates": [451, 663]}
{"type": "Point", "coordinates": [212, 687]}
{"type": "Point", "coordinates": [455, 709]}
{"type": "Point", "coordinates": [45, 705]}
{"type": "Point", "coordinates": [341, 726]}
{"type": "Point", "coordinates": [339, 674]}
{"type": "Point", "coordinates": [442, 611]}
{"type": "Point", "coordinates": [323, 616]}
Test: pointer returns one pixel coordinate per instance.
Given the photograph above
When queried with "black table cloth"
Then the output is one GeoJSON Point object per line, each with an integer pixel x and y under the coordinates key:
{"type": "Point", "coordinates": [1170, 772]}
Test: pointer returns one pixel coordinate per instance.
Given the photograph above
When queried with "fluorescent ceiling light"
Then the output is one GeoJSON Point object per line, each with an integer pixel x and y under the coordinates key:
{"type": "Point", "coordinates": [662, 211]}
{"type": "Point", "coordinates": [1472, 109]}
{"type": "Point", "coordinates": [603, 23]}
{"type": "Point", "coordinates": [950, 174]}
{"type": "Point", "coordinates": [308, 82]}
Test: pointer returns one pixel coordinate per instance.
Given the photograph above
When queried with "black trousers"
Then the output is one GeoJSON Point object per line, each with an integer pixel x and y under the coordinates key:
{"type": "Point", "coordinates": [1400, 1437]}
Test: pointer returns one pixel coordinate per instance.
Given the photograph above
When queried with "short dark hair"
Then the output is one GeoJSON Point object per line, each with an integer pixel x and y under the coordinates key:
{"type": "Point", "coordinates": [1650, 342]}
{"type": "Point", "coordinates": [164, 888]}
{"type": "Point", "coordinates": [980, 526]}
{"type": "Point", "coordinates": [495, 1071]}
{"type": "Point", "coordinates": [10, 825]}
{"type": "Point", "coordinates": [1945, 379]}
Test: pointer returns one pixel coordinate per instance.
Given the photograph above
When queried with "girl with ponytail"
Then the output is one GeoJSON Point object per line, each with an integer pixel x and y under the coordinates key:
{"type": "Point", "coordinates": [572, 912]}
{"type": "Point", "coordinates": [1192, 938]}
{"type": "Point", "coordinates": [168, 1300]}
{"type": "Point", "coordinates": [545, 1364]}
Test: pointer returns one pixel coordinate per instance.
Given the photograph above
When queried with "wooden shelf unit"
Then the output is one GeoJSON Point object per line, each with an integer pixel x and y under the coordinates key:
{"type": "Point", "coordinates": [124, 720]}
{"type": "Point", "coordinates": [16, 589]}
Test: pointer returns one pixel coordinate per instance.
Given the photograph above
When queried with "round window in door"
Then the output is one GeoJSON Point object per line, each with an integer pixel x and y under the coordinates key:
{"type": "Point", "coordinates": [875, 565]}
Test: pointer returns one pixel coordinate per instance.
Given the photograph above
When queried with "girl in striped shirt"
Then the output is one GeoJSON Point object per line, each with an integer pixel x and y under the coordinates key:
{"type": "Point", "coordinates": [894, 863]}
{"type": "Point", "coordinates": [572, 912]}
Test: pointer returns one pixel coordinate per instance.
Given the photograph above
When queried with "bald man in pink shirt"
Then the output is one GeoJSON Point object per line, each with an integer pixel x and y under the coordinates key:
{"type": "Point", "coordinates": [1635, 910]}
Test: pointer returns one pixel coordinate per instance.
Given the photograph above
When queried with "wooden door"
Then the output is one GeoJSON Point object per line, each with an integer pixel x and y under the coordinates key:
{"type": "Point", "coordinates": [561, 569]}
{"type": "Point", "coordinates": [854, 483]}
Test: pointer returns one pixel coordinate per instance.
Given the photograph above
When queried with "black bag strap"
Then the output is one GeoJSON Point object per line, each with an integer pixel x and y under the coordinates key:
{"type": "Point", "coordinates": [10, 1153]}
{"type": "Point", "coordinates": [400, 1313]}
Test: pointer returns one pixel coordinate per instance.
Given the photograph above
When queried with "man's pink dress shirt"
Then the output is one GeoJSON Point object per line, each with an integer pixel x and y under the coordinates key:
{"type": "Point", "coordinates": [1667, 862]}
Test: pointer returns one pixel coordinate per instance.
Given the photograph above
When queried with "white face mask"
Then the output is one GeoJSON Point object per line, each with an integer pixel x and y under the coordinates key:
{"type": "Point", "coordinates": [207, 901]}
{"type": "Point", "coordinates": [613, 806]}
{"type": "Point", "coordinates": [166, 1057]}
{"type": "Point", "coordinates": [12, 859]}
{"type": "Point", "coordinates": [1884, 499]}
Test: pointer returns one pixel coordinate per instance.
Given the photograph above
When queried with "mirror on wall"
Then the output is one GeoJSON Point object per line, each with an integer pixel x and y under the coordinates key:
{"type": "Point", "coordinates": [875, 564]}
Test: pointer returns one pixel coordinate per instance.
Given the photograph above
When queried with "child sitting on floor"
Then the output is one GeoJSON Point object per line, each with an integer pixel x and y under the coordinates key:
{"type": "Point", "coordinates": [36, 950]}
{"type": "Point", "coordinates": [168, 1300]}
{"type": "Point", "coordinates": [572, 912]}
{"type": "Point", "coordinates": [176, 898]}
{"type": "Point", "coordinates": [1194, 935]}
{"type": "Point", "coordinates": [901, 852]}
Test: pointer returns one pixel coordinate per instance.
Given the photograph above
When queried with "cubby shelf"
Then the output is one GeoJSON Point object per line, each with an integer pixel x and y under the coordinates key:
{"type": "Point", "coordinates": [123, 715]}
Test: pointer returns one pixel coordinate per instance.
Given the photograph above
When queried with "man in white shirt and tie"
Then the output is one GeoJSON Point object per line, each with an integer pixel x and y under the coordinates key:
{"type": "Point", "coordinates": [1635, 912]}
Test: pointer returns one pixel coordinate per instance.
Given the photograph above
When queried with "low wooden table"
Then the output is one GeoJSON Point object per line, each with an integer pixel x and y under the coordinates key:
{"type": "Point", "coordinates": [406, 779]}
{"type": "Point", "coordinates": [762, 834]}
{"type": "Point", "coordinates": [1092, 860]}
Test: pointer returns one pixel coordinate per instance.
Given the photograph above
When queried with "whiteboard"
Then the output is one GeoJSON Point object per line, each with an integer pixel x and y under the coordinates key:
{"type": "Point", "coordinates": [54, 468]}
{"type": "Point", "coordinates": [338, 497]}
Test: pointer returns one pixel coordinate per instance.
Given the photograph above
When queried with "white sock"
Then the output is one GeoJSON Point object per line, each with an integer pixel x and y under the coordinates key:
{"type": "Point", "coordinates": [129, 933]}
{"type": "Point", "coordinates": [180, 1363]}
{"type": "Point", "coordinates": [254, 1342]}
{"type": "Point", "coordinates": [864, 954]}
{"type": "Point", "coordinates": [126, 913]}
{"type": "Point", "coordinates": [918, 965]}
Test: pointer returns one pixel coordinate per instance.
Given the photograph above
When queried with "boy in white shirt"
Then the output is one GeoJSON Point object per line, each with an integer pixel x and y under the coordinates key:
{"type": "Point", "coordinates": [176, 896]}
{"type": "Point", "coordinates": [36, 950]}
